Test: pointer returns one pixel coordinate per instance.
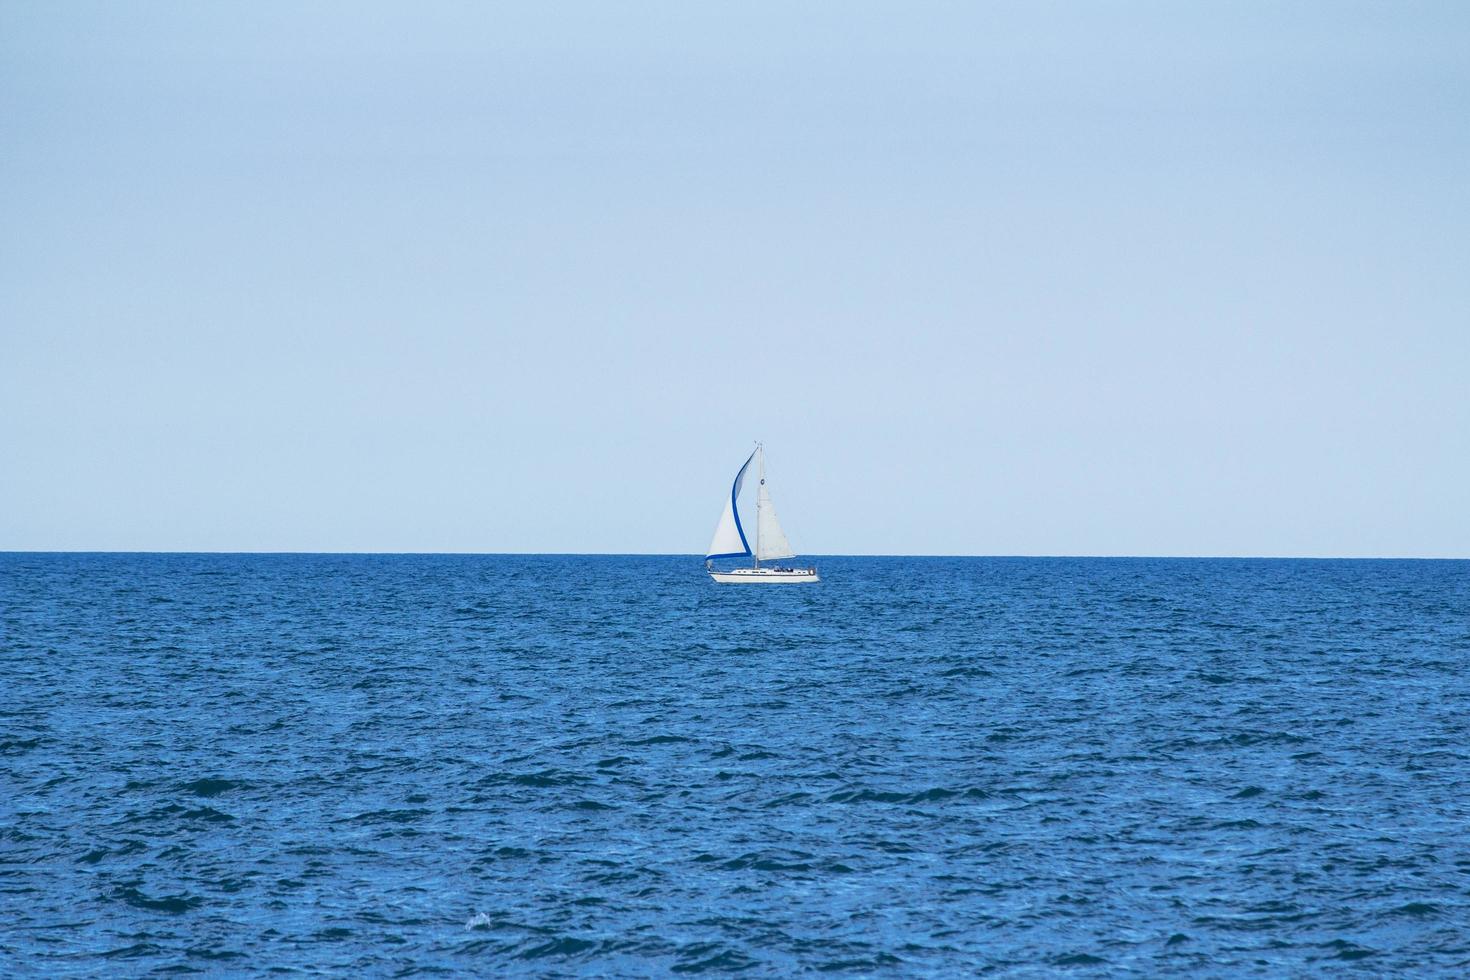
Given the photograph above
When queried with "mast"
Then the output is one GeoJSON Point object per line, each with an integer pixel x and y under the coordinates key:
{"type": "Point", "coordinates": [760, 451]}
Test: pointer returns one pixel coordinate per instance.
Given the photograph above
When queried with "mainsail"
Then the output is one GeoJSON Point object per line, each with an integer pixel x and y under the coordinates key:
{"type": "Point", "coordinates": [769, 538]}
{"type": "Point", "coordinates": [729, 540]}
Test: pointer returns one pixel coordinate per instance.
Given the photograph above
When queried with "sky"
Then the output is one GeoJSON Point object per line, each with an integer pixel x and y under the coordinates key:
{"type": "Point", "coordinates": [994, 279]}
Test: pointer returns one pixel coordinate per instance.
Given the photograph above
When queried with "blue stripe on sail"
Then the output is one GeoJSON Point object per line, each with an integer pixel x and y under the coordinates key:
{"type": "Point", "coordinates": [735, 509]}
{"type": "Point", "coordinates": [735, 492]}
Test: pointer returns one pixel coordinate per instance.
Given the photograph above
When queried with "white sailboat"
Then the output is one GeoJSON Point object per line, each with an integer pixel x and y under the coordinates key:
{"type": "Point", "coordinates": [770, 541]}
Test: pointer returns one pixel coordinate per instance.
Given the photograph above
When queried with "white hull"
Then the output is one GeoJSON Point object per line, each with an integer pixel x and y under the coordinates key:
{"type": "Point", "coordinates": [766, 575]}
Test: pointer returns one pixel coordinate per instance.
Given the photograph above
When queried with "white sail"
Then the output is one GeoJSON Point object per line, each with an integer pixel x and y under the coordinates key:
{"type": "Point", "coordinates": [729, 540]}
{"type": "Point", "coordinates": [770, 539]}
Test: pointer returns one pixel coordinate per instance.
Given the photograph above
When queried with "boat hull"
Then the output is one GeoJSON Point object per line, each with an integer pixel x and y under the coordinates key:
{"type": "Point", "coordinates": [768, 576]}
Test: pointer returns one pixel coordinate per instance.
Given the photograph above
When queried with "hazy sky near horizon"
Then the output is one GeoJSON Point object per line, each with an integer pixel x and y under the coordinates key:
{"type": "Point", "coordinates": [1025, 278]}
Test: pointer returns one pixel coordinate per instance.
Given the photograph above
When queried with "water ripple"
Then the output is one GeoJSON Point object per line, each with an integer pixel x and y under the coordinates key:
{"type": "Point", "coordinates": [548, 765]}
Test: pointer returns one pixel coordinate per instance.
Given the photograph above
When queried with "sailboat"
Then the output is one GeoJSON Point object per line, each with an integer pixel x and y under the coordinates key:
{"type": "Point", "coordinates": [770, 541]}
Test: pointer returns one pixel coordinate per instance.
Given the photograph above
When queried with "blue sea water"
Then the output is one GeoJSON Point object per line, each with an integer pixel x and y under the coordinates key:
{"type": "Point", "coordinates": [593, 765]}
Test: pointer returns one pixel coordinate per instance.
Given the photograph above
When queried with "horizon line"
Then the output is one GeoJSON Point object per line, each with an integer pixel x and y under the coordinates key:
{"type": "Point", "coordinates": [697, 557]}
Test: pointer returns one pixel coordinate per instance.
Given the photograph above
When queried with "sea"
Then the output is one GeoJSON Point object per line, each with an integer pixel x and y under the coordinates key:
{"type": "Point", "coordinates": [400, 765]}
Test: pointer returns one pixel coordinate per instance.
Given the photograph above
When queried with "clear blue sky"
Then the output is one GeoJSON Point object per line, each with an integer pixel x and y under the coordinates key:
{"type": "Point", "coordinates": [1030, 278]}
